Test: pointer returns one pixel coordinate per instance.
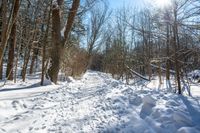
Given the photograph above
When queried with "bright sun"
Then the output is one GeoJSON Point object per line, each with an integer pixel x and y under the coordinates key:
{"type": "Point", "coordinates": [162, 3]}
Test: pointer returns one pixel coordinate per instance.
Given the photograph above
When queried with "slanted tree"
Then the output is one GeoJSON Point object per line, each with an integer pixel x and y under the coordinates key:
{"type": "Point", "coordinates": [7, 27]}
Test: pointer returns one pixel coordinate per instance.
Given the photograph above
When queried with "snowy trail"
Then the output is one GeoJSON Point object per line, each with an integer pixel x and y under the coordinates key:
{"type": "Point", "coordinates": [98, 103]}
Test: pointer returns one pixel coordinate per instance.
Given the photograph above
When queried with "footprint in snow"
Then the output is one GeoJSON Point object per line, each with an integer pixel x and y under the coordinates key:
{"type": "Point", "coordinates": [148, 104]}
{"type": "Point", "coordinates": [135, 100]}
{"type": "Point", "coordinates": [172, 103]}
{"type": "Point", "coordinates": [43, 127]}
{"type": "Point", "coordinates": [34, 121]}
{"type": "Point", "coordinates": [30, 128]}
{"type": "Point", "coordinates": [36, 128]}
{"type": "Point", "coordinates": [16, 118]}
{"type": "Point", "coordinates": [127, 91]}
{"type": "Point", "coordinates": [14, 104]}
{"type": "Point", "coordinates": [3, 130]}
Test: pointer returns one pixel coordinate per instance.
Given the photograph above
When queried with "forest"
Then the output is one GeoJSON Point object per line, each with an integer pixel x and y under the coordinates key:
{"type": "Point", "coordinates": [47, 36]}
{"type": "Point", "coordinates": [57, 53]}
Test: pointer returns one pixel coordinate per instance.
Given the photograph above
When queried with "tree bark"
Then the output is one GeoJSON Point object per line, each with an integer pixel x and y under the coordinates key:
{"type": "Point", "coordinates": [56, 50]}
{"type": "Point", "coordinates": [33, 59]}
{"type": "Point", "coordinates": [70, 20]}
{"type": "Point", "coordinates": [159, 72]}
{"type": "Point", "coordinates": [3, 16]}
{"type": "Point", "coordinates": [8, 26]}
{"type": "Point", "coordinates": [44, 48]}
{"type": "Point", "coordinates": [1, 70]}
{"type": "Point", "coordinates": [176, 64]}
{"type": "Point", "coordinates": [26, 60]}
{"type": "Point", "coordinates": [57, 40]}
{"type": "Point", "coordinates": [168, 61]}
{"type": "Point", "coordinates": [11, 54]}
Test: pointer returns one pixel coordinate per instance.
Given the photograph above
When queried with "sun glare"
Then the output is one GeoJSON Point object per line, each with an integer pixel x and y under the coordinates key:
{"type": "Point", "coordinates": [162, 3]}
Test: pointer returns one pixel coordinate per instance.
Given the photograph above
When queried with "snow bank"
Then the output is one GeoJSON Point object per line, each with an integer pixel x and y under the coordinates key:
{"type": "Point", "coordinates": [187, 130]}
{"type": "Point", "coordinates": [98, 103]}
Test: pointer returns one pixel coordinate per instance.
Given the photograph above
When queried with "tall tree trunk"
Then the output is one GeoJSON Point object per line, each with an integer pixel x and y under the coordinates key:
{"type": "Point", "coordinates": [8, 26]}
{"type": "Point", "coordinates": [45, 42]}
{"type": "Point", "coordinates": [58, 41]}
{"type": "Point", "coordinates": [149, 69]}
{"type": "Point", "coordinates": [1, 22]}
{"type": "Point", "coordinates": [26, 60]}
{"type": "Point", "coordinates": [3, 15]}
{"type": "Point", "coordinates": [168, 61]}
{"type": "Point", "coordinates": [31, 42]}
{"type": "Point", "coordinates": [57, 48]}
{"type": "Point", "coordinates": [43, 62]}
{"type": "Point", "coordinates": [176, 63]}
{"type": "Point", "coordinates": [18, 55]}
{"type": "Point", "coordinates": [11, 54]}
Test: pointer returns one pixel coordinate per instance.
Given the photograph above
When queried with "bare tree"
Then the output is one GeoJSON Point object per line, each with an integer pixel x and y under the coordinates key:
{"type": "Point", "coordinates": [98, 16]}
{"type": "Point", "coordinates": [60, 41]}
{"type": "Point", "coordinates": [11, 54]}
{"type": "Point", "coordinates": [7, 27]}
{"type": "Point", "coordinates": [44, 58]}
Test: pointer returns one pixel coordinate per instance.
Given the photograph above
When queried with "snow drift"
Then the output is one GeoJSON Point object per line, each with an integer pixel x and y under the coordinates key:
{"type": "Point", "coordinates": [98, 103]}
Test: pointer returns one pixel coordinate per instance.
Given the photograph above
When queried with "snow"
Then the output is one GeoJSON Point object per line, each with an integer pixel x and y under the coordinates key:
{"type": "Point", "coordinates": [194, 75]}
{"type": "Point", "coordinates": [95, 103]}
{"type": "Point", "coordinates": [148, 104]}
{"type": "Point", "coordinates": [29, 88]}
{"type": "Point", "coordinates": [193, 88]}
{"type": "Point", "coordinates": [187, 130]}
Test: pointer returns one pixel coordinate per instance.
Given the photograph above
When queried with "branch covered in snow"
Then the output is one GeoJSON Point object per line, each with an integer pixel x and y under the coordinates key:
{"type": "Point", "coordinates": [162, 68]}
{"type": "Point", "coordinates": [137, 74]}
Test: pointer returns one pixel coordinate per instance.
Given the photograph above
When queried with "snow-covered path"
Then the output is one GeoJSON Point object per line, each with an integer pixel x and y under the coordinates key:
{"type": "Point", "coordinates": [98, 103]}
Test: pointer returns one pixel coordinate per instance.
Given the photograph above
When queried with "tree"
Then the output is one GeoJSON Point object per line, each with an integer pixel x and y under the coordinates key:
{"type": "Point", "coordinates": [7, 27]}
{"type": "Point", "coordinates": [44, 58]}
{"type": "Point", "coordinates": [98, 17]}
{"type": "Point", "coordinates": [59, 41]}
{"type": "Point", "coordinates": [11, 54]}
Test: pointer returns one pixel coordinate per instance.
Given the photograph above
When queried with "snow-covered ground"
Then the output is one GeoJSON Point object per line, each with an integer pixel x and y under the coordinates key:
{"type": "Point", "coordinates": [96, 103]}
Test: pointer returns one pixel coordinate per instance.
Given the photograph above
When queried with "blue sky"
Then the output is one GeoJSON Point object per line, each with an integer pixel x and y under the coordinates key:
{"type": "Point", "coordinates": [132, 3]}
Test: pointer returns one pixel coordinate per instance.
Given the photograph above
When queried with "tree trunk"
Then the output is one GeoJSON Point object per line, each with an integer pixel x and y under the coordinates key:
{"type": "Point", "coordinates": [56, 50]}
{"type": "Point", "coordinates": [16, 65]}
{"type": "Point", "coordinates": [1, 22]}
{"type": "Point", "coordinates": [176, 41]}
{"type": "Point", "coordinates": [168, 61]}
{"type": "Point", "coordinates": [11, 54]}
{"type": "Point", "coordinates": [34, 56]}
{"type": "Point", "coordinates": [159, 73]}
{"type": "Point", "coordinates": [25, 65]}
{"type": "Point", "coordinates": [57, 40]}
{"type": "Point", "coordinates": [31, 42]}
{"type": "Point", "coordinates": [8, 26]}
{"type": "Point", "coordinates": [55, 63]}
{"type": "Point", "coordinates": [26, 60]}
{"type": "Point", "coordinates": [44, 47]}
{"type": "Point", "coordinates": [149, 70]}
{"type": "Point", "coordinates": [1, 70]}
{"type": "Point", "coordinates": [43, 63]}
{"type": "Point", "coordinates": [3, 15]}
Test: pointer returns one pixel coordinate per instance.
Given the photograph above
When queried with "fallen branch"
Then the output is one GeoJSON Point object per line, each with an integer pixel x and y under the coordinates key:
{"type": "Point", "coordinates": [137, 74]}
{"type": "Point", "coordinates": [162, 68]}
